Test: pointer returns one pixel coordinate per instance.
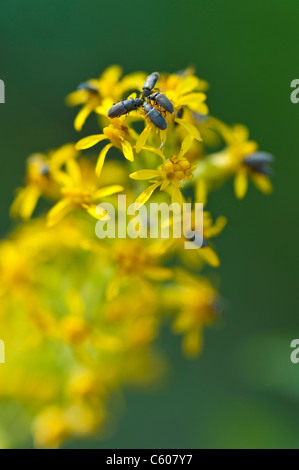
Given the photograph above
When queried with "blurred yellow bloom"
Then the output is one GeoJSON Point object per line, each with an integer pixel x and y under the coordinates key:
{"type": "Point", "coordinates": [240, 158]}
{"type": "Point", "coordinates": [79, 315]}
{"type": "Point", "coordinates": [78, 192]}
{"type": "Point", "coordinates": [40, 179]}
{"type": "Point", "coordinates": [134, 260]}
{"type": "Point", "coordinates": [196, 303]}
{"type": "Point", "coordinates": [186, 90]}
{"type": "Point", "coordinates": [102, 92]}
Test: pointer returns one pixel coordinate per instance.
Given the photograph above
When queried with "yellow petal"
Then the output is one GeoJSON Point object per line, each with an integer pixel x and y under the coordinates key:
{"type": "Point", "coordinates": [240, 184]}
{"type": "Point", "coordinates": [113, 287]}
{"type": "Point", "coordinates": [141, 141]}
{"type": "Point", "coordinates": [262, 182]}
{"type": "Point", "coordinates": [62, 155]}
{"type": "Point", "coordinates": [193, 343]}
{"type": "Point", "coordinates": [60, 210]}
{"type": "Point", "coordinates": [112, 74]}
{"type": "Point", "coordinates": [75, 98]}
{"type": "Point", "coordinates": [92, 210]}
{"type": "Point", "coordinates": [145, 195]}
{"type": "Point", "coordinates": [145, 174]}
{"type": "Point", "coordinates": [101, 159]}
{"type": "Point", "coordinates": [193, 99]}
{"type": "Point", "coordinates": [127, 150]}
{"type": "Point", "coordinates": [164, 185]}
{"type": "Point", "coordinates": [89, 141]}
{"type": "Point", "coordinates": [108, 191]}
{"type": "Point", "coordinates": [201, 192]}
{"type": "Point", "coordinates": [189, 128]}
{"type": "Point", "coordinates": [215, 229]}
{"type": "Point", "coordinates": [81, 117]}
{"type": "Point", "coordinates": [74, 171]}
{"type": "Point", "coordinates": [188, 84]}
{"type": "Point", "coordinates": [186, 144]}
{"type": "Point", "coordinates": [209, 256]}
{"type": "Point", "coordinates": [62, 178]}
{"type": "Point", "coordinates": [25, 202]}
{"type": "Point", "coordinates": [157, 273]}
{"type": "Point", "coordinates": [176, 195]}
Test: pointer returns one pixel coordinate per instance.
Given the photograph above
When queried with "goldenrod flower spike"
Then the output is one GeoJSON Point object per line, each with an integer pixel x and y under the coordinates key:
{"type": "Point", "coordinates": [80, 314]}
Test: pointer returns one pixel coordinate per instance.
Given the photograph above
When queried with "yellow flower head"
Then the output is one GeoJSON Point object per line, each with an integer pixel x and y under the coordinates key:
{"type": "Point", "coordinates": [40, 179]}
{"type": "Point", "coordinates": [120, 136]}
{"type": "Point", "coordinates": [102, 92]}
{"type": "Point", "coordinates": [173, 172]}
{"type": "Point", "coordinates": [79, 190]}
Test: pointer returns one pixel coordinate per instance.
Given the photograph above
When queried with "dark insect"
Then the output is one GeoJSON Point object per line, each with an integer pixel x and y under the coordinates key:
{"type": "Point", "coordinates": [87, 87]}
{"type": "Point", "coordinates": [163, 101]}
{"type": "Point", "coordinates": [259, 162]}
{"type": "Point", "coordinates": [44, 169]}
{"type": "Point", "coordinates": [149, 84]}
{"type": "Point", "coordinates": [125, 106]}
{"type": "Point", "coordinates": [154, 116]}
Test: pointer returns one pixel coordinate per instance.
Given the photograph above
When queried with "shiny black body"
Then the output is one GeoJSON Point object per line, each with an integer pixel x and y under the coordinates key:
{"type": "Point", "coordinates": [149, 84]}
{"type": "Point", "coordinates": [154, 116]}
{"type": "Point", "coordinates": [163, 101]}
{"type": "Point", "coordinates": [124, 107]}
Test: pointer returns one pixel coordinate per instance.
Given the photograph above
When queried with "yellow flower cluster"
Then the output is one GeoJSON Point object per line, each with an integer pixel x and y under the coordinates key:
{"type": "Point", "coordinates": [78, 314]}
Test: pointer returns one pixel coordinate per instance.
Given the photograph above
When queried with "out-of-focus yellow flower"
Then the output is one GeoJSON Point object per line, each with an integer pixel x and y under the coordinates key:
{"type": "Point", "coordinates": [78, 192]}
{"type": "Point", "coordinates": [195, 301]}
{"type": "Point", "coordinates": [79, 315]}
{"type": "Point", "coordinates": [240, 158]}
{"type": "Point", "coordinates": [205, 253]}
{"type": "Point", "coordinates": [134, 260]}
{"type": "Point", "coordinates": [40, 179]}
{"type": "Point", "coordinates": [185, 90]}
{"type": "Point", "coordinates": [101, 93]}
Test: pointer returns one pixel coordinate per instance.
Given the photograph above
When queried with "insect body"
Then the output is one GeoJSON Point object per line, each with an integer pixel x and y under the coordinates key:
{"type": "Point", "coordinates": [87, 87]}
{"type": "Point", "coordinates": [163, 101]}
{"type": "Point", "coordinates": [123, 107]}
{"type": "Point", "coordinates": [149, 84]}
{"type": "Point", "coordinates": [154, 116]}
{"type": "Point", "coordinates": [259, 161]}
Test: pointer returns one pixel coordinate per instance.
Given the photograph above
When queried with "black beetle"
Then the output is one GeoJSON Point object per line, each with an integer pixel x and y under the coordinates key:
{"type": "Point", "coordinates": [123, 107]}
{"type": "Point", "coordinates": [149, 84]}
{"type": "Point", "coordinates": [154, 116]}
{"type": "Point", "coordinates": [163, 101]}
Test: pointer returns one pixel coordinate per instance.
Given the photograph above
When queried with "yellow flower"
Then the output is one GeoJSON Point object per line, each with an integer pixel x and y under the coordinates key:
{"type": "Point", "coordinates": [197, 305]}
{"type": "Point", "coordinates": [173, 173]}
{"type": "Point", "coordinates": [185, 90]}
{"type": "Point", "coordinates": [79, 191]}
{"type": "Point", "coordinates": [102, 92]}
{"type": "Point", "coordinates": [119, 135]}
{"type": "Point", "coordinates": [240, 158]}
{"type": "Point", "coordinates": [40, 179]}
{"type": "Point", "coordinates": [50, 428]}
{"type": "Point", "coordinates": [135, 260]}
{"type": "Point", "coordinates": [205, 252]}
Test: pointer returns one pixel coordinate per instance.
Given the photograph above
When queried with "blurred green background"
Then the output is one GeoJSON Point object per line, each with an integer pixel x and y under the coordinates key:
{"type": "Point", "coordinates": [243, 391]}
